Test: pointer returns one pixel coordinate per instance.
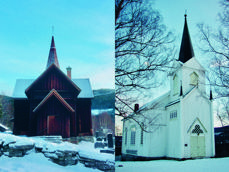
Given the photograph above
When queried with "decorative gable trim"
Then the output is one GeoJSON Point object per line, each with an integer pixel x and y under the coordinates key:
{"type": "Point", "coordinates": [196, 121]}
{"type": "Point", "coordinates": [54, 93]}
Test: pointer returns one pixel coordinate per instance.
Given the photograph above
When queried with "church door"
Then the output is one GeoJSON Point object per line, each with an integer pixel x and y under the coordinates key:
{"type": "Point", "coordinates": [197, 141]}
{"type": "Point", "coordinates": [54, 125]}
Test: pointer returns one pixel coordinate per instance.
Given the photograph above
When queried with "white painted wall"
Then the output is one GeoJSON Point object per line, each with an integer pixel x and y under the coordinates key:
{"type": "Point", "coordinates": [174, 132]}
{"type": "Point", "coordinates": [187, 69]}
{"type": "Point", "coordinates": [170, 140]}
{"type": "Point", "coordinates": [195, 106]}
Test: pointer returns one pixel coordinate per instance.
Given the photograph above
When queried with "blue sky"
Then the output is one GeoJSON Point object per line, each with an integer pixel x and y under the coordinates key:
{"type": "Point", "coordinates": [198, 11]}
{"type": "Point", "coordinates": [84, 35]}
{"type": "Point", "coordinates": [83, 32]}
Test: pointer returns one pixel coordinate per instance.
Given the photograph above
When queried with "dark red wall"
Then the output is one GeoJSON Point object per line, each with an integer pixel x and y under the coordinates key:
{"type": "Point", "coordinates": [72, 124]}
{"type": "Point", "coordinates": [21, 117]}
{"type": "Point", "coordinates": [53, 108]}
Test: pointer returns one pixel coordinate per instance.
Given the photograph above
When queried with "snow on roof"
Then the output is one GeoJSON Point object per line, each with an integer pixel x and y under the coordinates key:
{"type": "Point", "coordinates": [22, 84]}
{"type": "Point", "coordinates": [85, 86]}
{"type": "Point", "coordinates": [3, 127]}
{"type": "Point", "coordinates": [155, 101]}
{"type": "Point", "coordinates": [20, 87]}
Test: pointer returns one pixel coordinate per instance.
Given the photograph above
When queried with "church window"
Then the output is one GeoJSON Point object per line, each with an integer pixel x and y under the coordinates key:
{"type": "Point", "coordinates": [175, 85]}
{"type": "Point", "coordinates": [173, 114]}
{"type": "Point", "coordinates": [194, 79]}
{"type": "Point", "coordinates": [125, 136]}
{"type": "Point", "coordinates": [197, 130]}
{"type": "Point", "coordinates": [132, 136]}
{"type": "Point", "coordinates": [142, 136]}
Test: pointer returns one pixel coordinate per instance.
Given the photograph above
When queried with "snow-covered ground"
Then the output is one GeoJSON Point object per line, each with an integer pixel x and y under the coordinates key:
{"type": "Point", "coordinates": [37, 162]}
{"type": "Point", "coordinates": [198, 165]}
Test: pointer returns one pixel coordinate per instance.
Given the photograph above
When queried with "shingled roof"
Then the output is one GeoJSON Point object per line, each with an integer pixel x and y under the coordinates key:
{"type": "Point", "coordinates": [52, 55]}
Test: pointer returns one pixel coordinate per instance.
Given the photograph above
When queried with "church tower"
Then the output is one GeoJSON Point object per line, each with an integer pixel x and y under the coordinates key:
{"type": "Point", "coordinates": [194, 120]}
{"type": "Point", "coordinates": [187, 72]}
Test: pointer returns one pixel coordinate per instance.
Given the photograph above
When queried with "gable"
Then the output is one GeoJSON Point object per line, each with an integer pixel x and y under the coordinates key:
{"type": "Point", "coordinates": [197, 127]}
{"type": "Point", "coordinates": [53, 94]}
{"type": "Point", "coordinates": [53, 78]}
{"type": "Point", "coordinates": [22, 84]}
{"type": "Point", "coordinates": [194, 64]}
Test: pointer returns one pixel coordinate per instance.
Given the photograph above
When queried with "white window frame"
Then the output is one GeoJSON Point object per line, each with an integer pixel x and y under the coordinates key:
{"type": "Point", "coordinates": [133, 135]}
{"type": "Point", "coordinates": [175, 85]}
{"type": "Point", "coordinates": [194, 78]}
{"type": "Point", "coordinates": [173, 115]}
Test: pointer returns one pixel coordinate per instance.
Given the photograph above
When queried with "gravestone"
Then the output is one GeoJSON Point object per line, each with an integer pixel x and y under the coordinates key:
{"type": "Point", "coordinates": [96, 134]}
{"type": "Point", "coordinates": [110, 140]}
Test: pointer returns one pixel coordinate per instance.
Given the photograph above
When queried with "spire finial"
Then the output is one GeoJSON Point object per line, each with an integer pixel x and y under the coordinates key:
{"type": "Point", "coordinates": [185, 14]}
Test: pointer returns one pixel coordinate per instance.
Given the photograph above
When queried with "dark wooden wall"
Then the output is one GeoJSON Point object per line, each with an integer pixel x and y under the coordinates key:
{"type": "Point", "coordinates": [21, 117]}
{"type": "Point", "coordinates": [83, 107]}
{"type": "Point", "coordinates": [58, 113]}
{"type": "Point", "coordinates": [71, 124]}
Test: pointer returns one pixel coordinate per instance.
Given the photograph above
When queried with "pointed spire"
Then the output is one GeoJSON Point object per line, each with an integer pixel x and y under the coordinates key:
{"type": "Point", "coordinates": [186, 50]}
{"type": "Point", "coordinates": [52, 55]}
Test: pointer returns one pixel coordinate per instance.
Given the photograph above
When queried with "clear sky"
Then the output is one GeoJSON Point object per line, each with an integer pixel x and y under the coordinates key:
{"type": "Point", "coordinates": [198, 11]}
{"type": "Point", "coordinates": [83, 33]}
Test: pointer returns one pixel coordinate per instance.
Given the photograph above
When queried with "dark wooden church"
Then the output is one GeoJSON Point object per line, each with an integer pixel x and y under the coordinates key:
{"type": "Point", "coordinates": [53, 103]}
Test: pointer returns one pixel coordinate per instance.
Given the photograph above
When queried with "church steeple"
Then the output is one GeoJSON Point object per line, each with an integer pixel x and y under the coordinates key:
{"type": "Point", "coordinates": [186, 50]}
{"type": "Point", "coordinates": [52, 55]}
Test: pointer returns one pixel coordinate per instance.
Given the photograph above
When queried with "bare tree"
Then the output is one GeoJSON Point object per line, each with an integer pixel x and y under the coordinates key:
{"type": "Point", "coordinates": [103, 121]}
{"type": "Point", "coordinates": [1, 107]}
{"type": "Point", "coordinates": [216, 45]}
{"type": "Point", "coordinates": [6, 111]}
{"type": "Point", "coordinates": [142, 50]}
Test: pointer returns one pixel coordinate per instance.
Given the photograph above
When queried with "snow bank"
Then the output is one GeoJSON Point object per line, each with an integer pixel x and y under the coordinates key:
{"type": "Point", "coordinates": [64, 152]}
{"type": "Point", "coordinates": [36, 162]}
{"type": "Point", "coordinates": [197, 165]}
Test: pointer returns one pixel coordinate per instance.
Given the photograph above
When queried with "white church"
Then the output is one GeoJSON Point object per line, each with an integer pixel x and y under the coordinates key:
{"type": "Point", "coordinates": [182, 118]}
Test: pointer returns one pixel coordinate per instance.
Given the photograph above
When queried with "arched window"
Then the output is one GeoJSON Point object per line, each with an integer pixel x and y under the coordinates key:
{"type": "Point", "coordinates": [194, 78]}
{"type": "Point", "coordinates": [175, 85]}
{"type": "Point", "coordinates": [125, 136]}
{"type": "Point", "coordinates": [142, 136]}
{"type": "Point", "coordinates": [132, 136]}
